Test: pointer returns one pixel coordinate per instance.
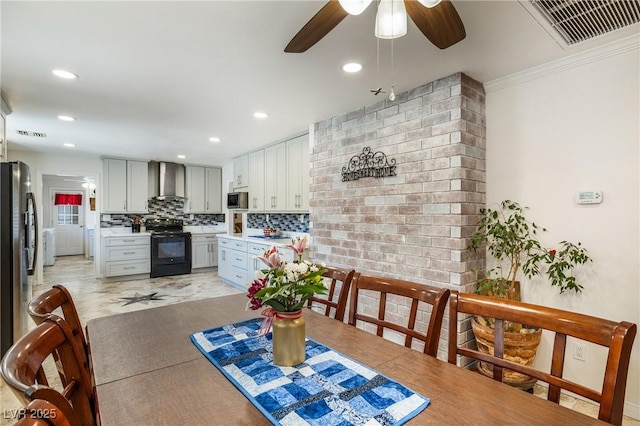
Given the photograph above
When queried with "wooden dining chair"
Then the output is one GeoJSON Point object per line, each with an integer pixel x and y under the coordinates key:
{"type": "Point", "coordinates": [23, 371]}
{"type": "Point", "coordinates": [436, 297]}
{"type": "Point", "coordinates": [616, 336]}
{"type": "Point", "coordinates": [339, 305]}
{"type": "Point", "coordinates": [58, 297]}
{"type": "Point", "coordinates": [43, 413]}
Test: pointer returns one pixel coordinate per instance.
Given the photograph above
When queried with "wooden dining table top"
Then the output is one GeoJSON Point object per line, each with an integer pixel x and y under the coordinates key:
{"type": "Point", "coordinates": [147, 371]}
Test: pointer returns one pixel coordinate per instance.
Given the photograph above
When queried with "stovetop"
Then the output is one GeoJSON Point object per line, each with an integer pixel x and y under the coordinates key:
{"type": "Point", "coordinates": [164, 225]}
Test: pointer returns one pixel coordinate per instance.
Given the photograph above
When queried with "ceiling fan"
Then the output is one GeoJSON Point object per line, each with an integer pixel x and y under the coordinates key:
{"type": "Point", "coordinates": [441, 23]}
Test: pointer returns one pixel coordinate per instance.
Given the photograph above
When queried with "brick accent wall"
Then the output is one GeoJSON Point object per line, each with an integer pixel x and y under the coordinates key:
{"type": "Point", "coordinates": [415, 225]}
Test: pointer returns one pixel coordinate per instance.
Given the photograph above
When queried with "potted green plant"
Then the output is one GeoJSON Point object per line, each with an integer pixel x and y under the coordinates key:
{"type": "Point", "coordinates": [512, 241]}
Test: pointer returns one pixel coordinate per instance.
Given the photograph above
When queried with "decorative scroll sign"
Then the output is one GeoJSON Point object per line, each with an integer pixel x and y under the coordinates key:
{"type": "Point", "coordinates": [369, 164]}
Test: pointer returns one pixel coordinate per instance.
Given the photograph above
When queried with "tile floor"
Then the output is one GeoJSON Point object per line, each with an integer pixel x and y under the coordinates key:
{"type": "Point", "coordinates": [95, 298]}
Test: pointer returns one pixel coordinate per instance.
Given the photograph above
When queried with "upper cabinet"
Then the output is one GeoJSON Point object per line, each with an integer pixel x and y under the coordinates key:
{"type": "Point", "coordinates": [213, 190]}
{"type": "Point", "coordinates": [241, 172]}
{"type": "Point", "coordinates": [126, 186]}
{"type": "Point", "coordinates": [298, 174]}
{"type": "Point", "coordinates": [256, 181]}
{"type": "Point", "coordinates": [3, 139]}
{"type": "Point", "coordinates": [278, 176]}
{"type": "Point", "coordinates": [275, 175]}
{"type": "Point", "coordinates": [203, 190]}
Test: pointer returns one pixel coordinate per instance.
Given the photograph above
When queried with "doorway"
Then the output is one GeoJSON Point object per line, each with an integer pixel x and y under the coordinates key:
{"type": "Point", "coordinates": [68, 222]}
{"type": "Point", "coordinates": [69, 212]}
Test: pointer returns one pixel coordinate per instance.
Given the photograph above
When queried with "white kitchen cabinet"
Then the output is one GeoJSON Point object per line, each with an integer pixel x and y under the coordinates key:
{"type": "Point", "coordinates": [256, 180]}
{"type": "Point", "coordinates": [3, 136]}
{"type": "Point", "coordinates": [241, 172]}
{"type": "Point", "coordinates": [137, 186]}
{"type": "Point", "coordinates": [213, 190]}
{"type": "Point", "coordinates": [298, 174]}
{"type": "Point", "coordinates": [194, 189]}
{"type": "Point", "coordinates": [275, 185]}
{"type": "Point", "coordinates": [130, 255]}
{"type": "Point", "coordinates": [126, 186]}
{"type": "Point", "coordinates": [203, 189]}
{"type": "Point", "coordinates": [204, 251]}
{"type": "Point", "coordinates": [232, 261]}
{"type": "Point", "coordinates": [254, 250]}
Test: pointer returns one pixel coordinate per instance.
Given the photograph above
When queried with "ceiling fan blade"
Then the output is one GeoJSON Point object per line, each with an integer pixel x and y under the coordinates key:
{"type": "Point", "coordinates": [319, 26]}
{"type": "Point", "coordinates": [441, 24]}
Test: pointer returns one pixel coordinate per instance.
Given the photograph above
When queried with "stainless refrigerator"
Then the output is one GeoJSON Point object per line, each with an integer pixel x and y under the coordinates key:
{"type": "Point", "coordinates": [18, 248]}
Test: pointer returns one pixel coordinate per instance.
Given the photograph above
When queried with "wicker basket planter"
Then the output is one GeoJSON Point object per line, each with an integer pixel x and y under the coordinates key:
{"type": "Point", "coordinates": [519, 347]}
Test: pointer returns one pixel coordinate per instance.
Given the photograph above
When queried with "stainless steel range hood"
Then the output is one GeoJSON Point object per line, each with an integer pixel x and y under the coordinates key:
{"type": "Point", "coordinates": [166, 180]}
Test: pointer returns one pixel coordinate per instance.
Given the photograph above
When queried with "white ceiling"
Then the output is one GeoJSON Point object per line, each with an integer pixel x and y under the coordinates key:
{"type": "Point", "coordinates": [157, 79]}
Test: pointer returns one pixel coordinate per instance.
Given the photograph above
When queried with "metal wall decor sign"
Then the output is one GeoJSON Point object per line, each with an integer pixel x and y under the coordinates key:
{"type": "Point", "coordinates": [369, 164]}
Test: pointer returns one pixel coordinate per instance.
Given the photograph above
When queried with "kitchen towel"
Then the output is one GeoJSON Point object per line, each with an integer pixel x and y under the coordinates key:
{"type": "Point", "coordinates": [327, 389]}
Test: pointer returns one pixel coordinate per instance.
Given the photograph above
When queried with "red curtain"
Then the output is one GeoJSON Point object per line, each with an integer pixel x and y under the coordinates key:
{"type": "Point", "coordinates": [72, 199]}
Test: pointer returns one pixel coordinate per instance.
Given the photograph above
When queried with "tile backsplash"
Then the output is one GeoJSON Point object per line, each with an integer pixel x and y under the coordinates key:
{"type": "Point", "coordinates": [173, 209]}
{"type": "Point", "coordinates": [290, 222]}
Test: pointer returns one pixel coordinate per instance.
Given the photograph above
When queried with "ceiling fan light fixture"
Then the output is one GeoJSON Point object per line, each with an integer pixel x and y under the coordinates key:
{"type": "Point", "coordinates": [354, 7]}
{"type": "Point", "coordinates": [429, 3]}
{"type": "Point", "coordinates": [391, 19]}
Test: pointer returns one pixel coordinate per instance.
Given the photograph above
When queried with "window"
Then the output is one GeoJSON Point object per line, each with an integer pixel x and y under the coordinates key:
{"type": "Point", "coordinates": [67, 214]}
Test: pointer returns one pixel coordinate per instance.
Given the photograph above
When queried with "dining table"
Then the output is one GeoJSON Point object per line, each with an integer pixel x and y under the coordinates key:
{"type": "Point", "coordinates": [147, 371]}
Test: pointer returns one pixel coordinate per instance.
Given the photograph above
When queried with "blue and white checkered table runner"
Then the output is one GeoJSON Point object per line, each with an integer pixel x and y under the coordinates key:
{"type": "Point", "coordinates": [326, 389]}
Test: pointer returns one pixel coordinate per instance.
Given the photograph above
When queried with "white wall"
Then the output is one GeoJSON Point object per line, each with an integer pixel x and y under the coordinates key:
{"type": "Point", "coordinates": [56, 164]}
{"type": "Point", "coordinates": [573, 128]}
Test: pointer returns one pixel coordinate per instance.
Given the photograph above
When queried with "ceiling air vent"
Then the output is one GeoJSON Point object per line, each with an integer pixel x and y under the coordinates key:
{"type": "Point", "coordinates": [574, 21]}
{"type": "Point", "coordinates": [34, 134]}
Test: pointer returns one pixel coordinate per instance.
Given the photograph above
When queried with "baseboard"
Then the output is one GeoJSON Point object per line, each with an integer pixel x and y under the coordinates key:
{"type": "Point", "coordinates": [630, 409]}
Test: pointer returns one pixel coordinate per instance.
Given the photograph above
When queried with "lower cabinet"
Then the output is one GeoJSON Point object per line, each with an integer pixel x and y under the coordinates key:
{"type": "Point", "coordinates": [232, 261]}
{"type": "Point", "coordinates": [238, 260]}
{"type": "Point", "coordinates": [126, 255]}
{"type": "Point", "coordinates": [254, 264]}
{"type": "Point", "coordinates": [204, 251]}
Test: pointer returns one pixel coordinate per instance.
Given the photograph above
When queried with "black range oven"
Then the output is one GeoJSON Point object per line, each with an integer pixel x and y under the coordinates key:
{"type": "Point", "coordinates": [170, 248]}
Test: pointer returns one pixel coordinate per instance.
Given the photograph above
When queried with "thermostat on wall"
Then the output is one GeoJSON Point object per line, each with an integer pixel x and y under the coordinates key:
{"type": "Point", "coordinates": [589, 197]}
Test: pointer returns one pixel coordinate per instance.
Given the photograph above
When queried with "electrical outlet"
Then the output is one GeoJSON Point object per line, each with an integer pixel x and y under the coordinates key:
{"type": "Point", "coordinates": [579, 351]}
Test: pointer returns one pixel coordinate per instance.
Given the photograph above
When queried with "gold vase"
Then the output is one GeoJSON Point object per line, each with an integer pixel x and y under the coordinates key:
{"type": "Point", "coordinates": [288, 338]}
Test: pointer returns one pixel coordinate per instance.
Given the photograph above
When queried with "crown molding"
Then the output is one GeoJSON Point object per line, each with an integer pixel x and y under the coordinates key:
{"type": "Point", "coordinates": [559, 65]}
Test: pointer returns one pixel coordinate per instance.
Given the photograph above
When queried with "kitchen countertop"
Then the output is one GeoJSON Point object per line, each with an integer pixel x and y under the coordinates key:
{"type": "Point", "coordinates": [121, 231]}
{"type": "Point", "coordinates": [206, 229]}
{"type": "Point", "coordinates": [255, 237]}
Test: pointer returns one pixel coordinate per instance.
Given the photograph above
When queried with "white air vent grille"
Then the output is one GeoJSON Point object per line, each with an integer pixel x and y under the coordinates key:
{"type": "Point", "coordinates": [34, 134]}
{"type": "Point", "coordinates": [579, 20]}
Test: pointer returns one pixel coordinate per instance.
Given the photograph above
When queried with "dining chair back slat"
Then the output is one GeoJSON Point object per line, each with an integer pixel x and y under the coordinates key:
{"type": "Point", "coordinates": [435, 297]}
{"type": "Point", "coordinates": [618, 337]}
{"type": "Point", "coordinates": [339, 305]}
{"type": "Point", "coordinates": [22, 364]}
{"type": "Point", "coordinates": [58, 297]}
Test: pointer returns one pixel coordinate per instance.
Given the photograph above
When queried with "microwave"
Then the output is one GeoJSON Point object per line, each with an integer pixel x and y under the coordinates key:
{"type": "Point", "coordinates": [238, 200]}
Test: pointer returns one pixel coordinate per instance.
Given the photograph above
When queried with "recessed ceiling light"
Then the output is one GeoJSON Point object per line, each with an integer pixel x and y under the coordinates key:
{"type": "Point", "coordinates": [214, 139]}
{"type": "Point", "coordinates": [65, 74]}
{"type": "Point", "coordinates": [352, 67]}
{"type": "Point", "coordinates": [261, 115]}
{"type": "Point", "coordinates": [182, 156]}
{"type": "Point", "coordinates": [66, 118]}
{"type": "Point", "coordinates": [69, 145]}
